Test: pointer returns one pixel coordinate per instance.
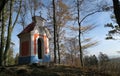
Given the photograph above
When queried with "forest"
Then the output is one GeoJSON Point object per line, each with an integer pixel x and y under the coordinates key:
{"type": "Point", "coordinates": [70, 23]}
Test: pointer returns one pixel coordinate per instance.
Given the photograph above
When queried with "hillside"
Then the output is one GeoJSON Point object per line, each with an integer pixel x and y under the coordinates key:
{"type": "Point", "coordinates": [59, 70]}
{"type": "Point", "coordinates": [115, 59]}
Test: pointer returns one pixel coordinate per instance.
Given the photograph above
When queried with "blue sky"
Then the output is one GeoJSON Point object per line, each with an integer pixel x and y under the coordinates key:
{"type": "Point", "coordinates": [108, 47]}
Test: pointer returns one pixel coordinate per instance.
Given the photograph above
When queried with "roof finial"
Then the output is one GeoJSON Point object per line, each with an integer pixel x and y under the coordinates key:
{"type": "Point", "coordinates": [40, 14]}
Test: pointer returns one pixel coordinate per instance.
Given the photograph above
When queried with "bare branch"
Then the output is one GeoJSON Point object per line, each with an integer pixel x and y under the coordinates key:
{"type": "Point", "coordinates": [17, 15]}
{"type": "Point", "coordinates": [88, 15]}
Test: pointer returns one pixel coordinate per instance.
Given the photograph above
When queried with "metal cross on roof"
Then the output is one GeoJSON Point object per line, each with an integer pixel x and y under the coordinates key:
{"type": "Point", "coordinates": [40, 14]}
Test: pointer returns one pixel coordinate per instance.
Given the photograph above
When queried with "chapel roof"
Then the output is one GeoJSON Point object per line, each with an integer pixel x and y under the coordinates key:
{"type": "Point", "coordinates": [28, 29]}
{"type": "Point", "coordinates": [31, 27]}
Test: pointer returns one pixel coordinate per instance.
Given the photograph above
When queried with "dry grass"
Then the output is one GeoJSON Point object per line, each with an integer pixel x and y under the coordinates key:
{"type": "Point", "coordinates": [56, 70]}
{"type": "Point", "coordinates": [112, 68]}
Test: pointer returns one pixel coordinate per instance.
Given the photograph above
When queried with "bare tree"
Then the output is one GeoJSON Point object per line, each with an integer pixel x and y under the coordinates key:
{"type": "Point", "coordinates": [63, 16]}
{"type": "Point", "coordinates": [81, 9]}
{"type": "Point", "coordinates": [23, 14]}
{"type": "Point", "coordinates": [72, 44]}
{"type": "Point", "coordinates": [54, 23]}
{"type": "Point", "coordinates": [79, 24]}
{"type": "Point", "coordinates": [10, 26]}
{"type": "Point", "coordinates": [34, 5]}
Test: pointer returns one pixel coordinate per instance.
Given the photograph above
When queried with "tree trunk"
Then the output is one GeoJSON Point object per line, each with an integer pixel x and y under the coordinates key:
{"type": "Point", "coordinates": [72, 58]}
{"type": "Point", "coordinates": [10, 29]}
{"type": "Point", "coordinates": [116, 6]}
{"type": "Point", "coordinates": [2, 4]}
{"type": "Point", "coordinates": [54, 24]}
{"type": "Point", "coordinates": [2, 38]}
{"type": "Point", "coordinates": [8, 33]}
{"type": "Point", "coordinates": [79, 24]}
{"type": "Point", "coordinates": [58, 46]}
{"type": "Point", "coordinates": [7, 45]}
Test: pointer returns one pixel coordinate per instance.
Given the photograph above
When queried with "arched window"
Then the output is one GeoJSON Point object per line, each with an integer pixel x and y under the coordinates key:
{"type": "Point", "coordinates": [40, 48]}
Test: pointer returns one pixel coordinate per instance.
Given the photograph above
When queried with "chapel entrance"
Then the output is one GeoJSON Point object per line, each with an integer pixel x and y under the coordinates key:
{"type": "Point", "coordinates": [40, 48]}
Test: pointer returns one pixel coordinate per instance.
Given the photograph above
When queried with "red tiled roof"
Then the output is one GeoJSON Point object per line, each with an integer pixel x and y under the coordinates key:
{"type": "Point", "coordinates": [29, 28]}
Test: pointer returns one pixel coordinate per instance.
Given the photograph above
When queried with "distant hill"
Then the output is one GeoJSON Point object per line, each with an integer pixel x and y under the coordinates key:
{"type": "Point", "coordinates": [115, 59]}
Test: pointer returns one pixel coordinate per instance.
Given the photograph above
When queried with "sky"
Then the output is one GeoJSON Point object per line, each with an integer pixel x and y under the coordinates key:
{"type": "Point", "coordinates": [109, 47]}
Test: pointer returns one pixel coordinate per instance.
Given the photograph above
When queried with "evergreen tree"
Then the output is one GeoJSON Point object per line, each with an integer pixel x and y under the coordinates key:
{"type": "Point", "coordinates": [103, 58]}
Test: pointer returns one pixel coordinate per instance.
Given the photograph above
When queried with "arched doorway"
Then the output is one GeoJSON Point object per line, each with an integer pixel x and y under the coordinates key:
{"type": "Point", "coordinates": [40, 48]}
